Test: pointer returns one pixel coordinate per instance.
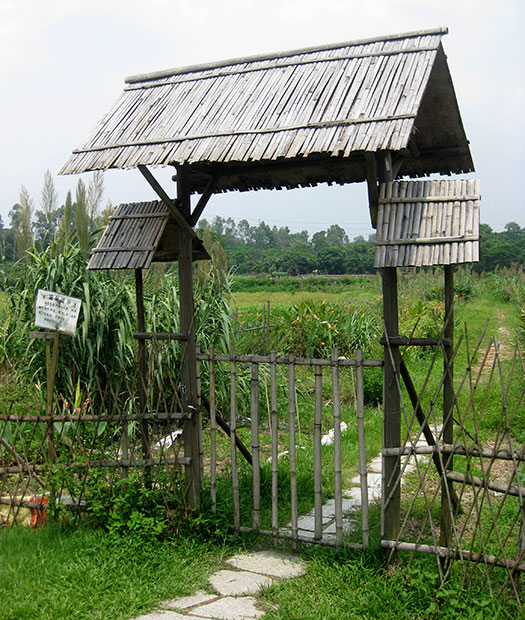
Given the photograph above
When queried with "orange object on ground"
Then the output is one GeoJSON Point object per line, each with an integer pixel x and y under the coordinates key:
{"type": "Point", "coordinates": [39, 512]}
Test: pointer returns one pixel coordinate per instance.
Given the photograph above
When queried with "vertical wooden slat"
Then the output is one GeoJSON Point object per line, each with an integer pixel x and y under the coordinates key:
{"type": "Point", "coordinates": [337, 449]}
{"type": "Point", "coordinates": [318, 500]}
{"type": "Point", "coordinates": [360, 412]}
{"type": "Point", "coordinates": [291, 444]}
{"type": "Point", "coordinates": [213, 435]}
{"type": "Point", "coordinates": [256, 471]}
{"type": "Point", "coordinates": [233, 449]}
{"type": "Point", "coordinates": [275, 443]}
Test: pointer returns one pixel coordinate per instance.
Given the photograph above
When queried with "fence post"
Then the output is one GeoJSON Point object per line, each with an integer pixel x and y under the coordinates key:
{"type": "Point", "coordinates": [189, 355]}
{"type": "Point", "coordinates": [446, 520]}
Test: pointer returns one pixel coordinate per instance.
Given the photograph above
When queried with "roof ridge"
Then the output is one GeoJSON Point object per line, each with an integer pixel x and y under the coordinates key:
{"type": "Point", "coordinates": [146, 77]}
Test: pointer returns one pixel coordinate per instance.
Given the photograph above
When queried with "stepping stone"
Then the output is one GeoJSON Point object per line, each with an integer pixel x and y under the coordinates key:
{"type": "Point", "coordinates": [233, 583]}
{"type": "Point", "coordinates": [374, 480]}
{"type": "Point", "coordinates": [189, 601]}
{"type": "Point", "coordinates": [278, 565]}
{"type": "Point", "coordinates": [375, 465]}
{"type": "Point", "coordinates": [227, 608]}
{"type": "Point", "coordinates": [162, 615]}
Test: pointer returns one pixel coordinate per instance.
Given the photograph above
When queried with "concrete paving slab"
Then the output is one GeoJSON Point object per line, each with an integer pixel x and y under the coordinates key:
{"type": "Point", "coordinates": [234, 583]}
{"type": "Point", "coordinates": [272, 563]}
{"type": "Point", "coordinates": [163, 615]}
{"type": "Point", "coordinates": [375, 465]}
{"type": "Point", "coordinates": [189, 601]}
{"type": "Point", "coordinates": [228, 608]}
{"type": "Point", "coordinates": [353, 494]}
{"type": "Point", "coordinates": [374, 480]}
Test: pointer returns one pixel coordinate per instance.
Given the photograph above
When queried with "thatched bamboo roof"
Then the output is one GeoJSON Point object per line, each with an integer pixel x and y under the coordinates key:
{"type": "Point", "coordinates": [290, 119]}
{"type": "Point", "coordinates": [138, 234]}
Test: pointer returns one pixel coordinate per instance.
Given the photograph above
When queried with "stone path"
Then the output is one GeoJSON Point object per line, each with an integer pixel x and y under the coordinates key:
{"type": "Point", "coordinates": [231, 590]}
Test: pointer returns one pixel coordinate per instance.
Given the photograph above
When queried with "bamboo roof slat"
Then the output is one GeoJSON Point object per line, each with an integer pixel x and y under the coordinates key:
{"type": "Point", "coordinates": [317, 103]}
{"type": "Point", "coordinates": [427, 223]}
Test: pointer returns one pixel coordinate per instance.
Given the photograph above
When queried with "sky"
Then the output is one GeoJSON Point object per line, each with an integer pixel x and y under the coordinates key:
{"type": "Point", "coordinates": [63, 64]}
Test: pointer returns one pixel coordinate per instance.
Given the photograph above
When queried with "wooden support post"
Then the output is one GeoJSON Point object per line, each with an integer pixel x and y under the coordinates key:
{"type": "Point", "coordinates": [189, 355]}
{"type": "Point", "coordinates": [51, 368]}
{"type": "Point", "coordinates": [448, 408]}
{"type": "Point", "coordinates": [391, 409]}
{"type": "Point", "coordinates": [391, 487]}
{"type": "Point", "coordinates": [141, 361]}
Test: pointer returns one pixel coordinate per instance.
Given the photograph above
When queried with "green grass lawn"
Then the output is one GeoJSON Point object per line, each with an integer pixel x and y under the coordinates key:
{"type": "Point", "coordinates": [54, 574]}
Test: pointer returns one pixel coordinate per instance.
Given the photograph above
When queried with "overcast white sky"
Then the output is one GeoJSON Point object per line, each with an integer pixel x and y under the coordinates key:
{"type": "Point", "coordinates": [64, 63]}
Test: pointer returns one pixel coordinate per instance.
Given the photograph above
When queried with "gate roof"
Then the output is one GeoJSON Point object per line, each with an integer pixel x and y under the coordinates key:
{"type": "Point", "coordinates": [290, 119]}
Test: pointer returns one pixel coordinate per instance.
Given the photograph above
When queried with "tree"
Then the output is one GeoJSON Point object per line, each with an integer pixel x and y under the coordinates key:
{"type": "Point", "coordinates": [332, 260]}
{"type": "Point", "coordinates": [82, 216]}
{"type": "Point", "coordinates": [47, 218]}
{"type": "Point", "coordinates": [21, 224]}
{"type": "Point", "coordinates": [95, 192]}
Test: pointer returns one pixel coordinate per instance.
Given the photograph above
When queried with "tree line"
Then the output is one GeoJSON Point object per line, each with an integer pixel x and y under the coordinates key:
{"type": "Point", "coordinates": [263, 249]}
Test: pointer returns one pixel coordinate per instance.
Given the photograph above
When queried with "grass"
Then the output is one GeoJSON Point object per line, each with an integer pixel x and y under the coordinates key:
{"type": "Point", "coordinates": [55, 574]}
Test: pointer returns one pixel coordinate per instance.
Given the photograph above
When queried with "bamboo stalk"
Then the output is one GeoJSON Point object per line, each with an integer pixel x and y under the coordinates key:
{"type": "Point", "coordinates": [256, 471]}
{"type": "Point", "coordinates": [454, 554]}
{"type": "Point", "coordinates": [199, 414]}
{"type": "Point", "coordinates": [337, 449]}
{"type": "Point", "coordinates": [291, 444]}
{"type": "Point", "coordinates": [318, 500]}
{"type": "Point", "coordinates": [298, 361]}
{"type": "Point", "coordinates": [213, 435]}
{"type": "Point", "coordinates": [275, 444]}
{"type": "Point", "coordinates": [233, 451]}
{"type": "Point", "coordinates": [360, 412]}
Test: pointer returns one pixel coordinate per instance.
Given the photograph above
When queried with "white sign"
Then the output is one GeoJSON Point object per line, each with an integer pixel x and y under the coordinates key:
{"type": "Point", "coordinates": [57, 312]}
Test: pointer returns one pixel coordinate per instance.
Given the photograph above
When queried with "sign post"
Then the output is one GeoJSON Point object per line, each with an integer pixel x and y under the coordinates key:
{"type": "Point", "coordinates": [58, 314]}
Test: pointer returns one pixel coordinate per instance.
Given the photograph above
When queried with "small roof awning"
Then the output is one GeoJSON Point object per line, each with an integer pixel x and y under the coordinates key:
{"type": "Point", "coordinates": [138, 234]}
{"type": "Point", "coordinates": [427, 223]}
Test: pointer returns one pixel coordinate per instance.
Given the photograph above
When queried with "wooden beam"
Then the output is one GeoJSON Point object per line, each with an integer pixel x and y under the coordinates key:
{"type": "Point", "coordinates": [373, 190]}
{"type": "Point", "coordinates": [173, 209]}
{"type": "Point", "coordinates": [203, 200]}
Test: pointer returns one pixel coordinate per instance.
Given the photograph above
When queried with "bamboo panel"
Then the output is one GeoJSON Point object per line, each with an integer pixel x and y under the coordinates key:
{"type": "Point", "coordinates": [427, 223]}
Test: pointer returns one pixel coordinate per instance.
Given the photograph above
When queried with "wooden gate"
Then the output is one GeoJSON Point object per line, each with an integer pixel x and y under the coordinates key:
{"type": "Point", "coordinates": [289, 482]}
{"type": "Point", "coordinates": [462, 497]}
